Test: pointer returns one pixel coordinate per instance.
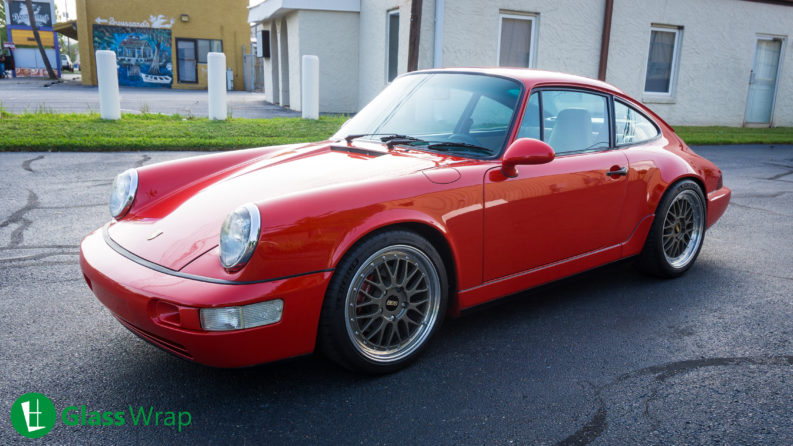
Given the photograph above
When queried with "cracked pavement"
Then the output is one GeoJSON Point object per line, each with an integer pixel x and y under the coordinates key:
{"type": "Point", "coordinates": [607, 357]}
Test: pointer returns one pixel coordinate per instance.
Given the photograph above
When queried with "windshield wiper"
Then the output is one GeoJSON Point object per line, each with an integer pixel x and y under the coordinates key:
{"type": "Point", "coordinates": [449, 145]}
{"type": "Point", "coordinates": [387, 137]}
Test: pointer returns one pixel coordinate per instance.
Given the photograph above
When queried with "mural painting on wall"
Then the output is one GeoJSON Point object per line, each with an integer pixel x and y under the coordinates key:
{"type": "Point", "coordinates": [143, 55]}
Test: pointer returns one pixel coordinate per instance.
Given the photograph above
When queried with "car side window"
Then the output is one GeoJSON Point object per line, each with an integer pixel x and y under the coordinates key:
{"type": "Point", "coordinates": [630, 126]}
{"type": "Point", "coordinates": [530, 125]}
{"type": "Point", "coordinates": [575, 121]}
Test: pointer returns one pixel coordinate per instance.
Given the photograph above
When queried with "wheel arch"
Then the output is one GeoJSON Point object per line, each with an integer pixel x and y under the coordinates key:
{"type": "Point", "coordinates": [697, 180]}
{"type": "Point", "coordinates": [431, 233]}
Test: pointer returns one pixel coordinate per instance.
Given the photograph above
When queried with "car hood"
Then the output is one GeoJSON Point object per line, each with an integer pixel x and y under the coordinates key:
{"type": "Point", "coordinates": [174, 237]}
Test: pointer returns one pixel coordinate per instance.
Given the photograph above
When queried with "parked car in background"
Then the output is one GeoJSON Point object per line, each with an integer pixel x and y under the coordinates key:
{"type": "Point", "coordinates": [66, 63]}
{"type": "Point", "coordinates": [452, 188]}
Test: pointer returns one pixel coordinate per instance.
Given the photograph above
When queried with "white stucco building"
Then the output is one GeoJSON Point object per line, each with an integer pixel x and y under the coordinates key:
{"type": "Point", "coordinates": [695, 62]}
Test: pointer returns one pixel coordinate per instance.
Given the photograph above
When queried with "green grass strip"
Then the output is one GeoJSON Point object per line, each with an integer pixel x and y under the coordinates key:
{"type": "Point", "coordinates": [734, 135]}
{"type": "Point", "coordinates": [88, 132]}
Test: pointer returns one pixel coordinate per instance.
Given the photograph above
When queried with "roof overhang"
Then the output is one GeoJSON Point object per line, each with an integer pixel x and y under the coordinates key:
{"type": "Point", "coordinates": [271, 9]}
{"type": "Point", "coordinates": [68, 29]}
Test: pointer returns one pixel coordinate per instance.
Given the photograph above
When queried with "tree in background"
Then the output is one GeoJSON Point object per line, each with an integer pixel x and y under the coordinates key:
{"type": "Point", "coordinates": [67, 45]}
{"type": "Point", "coordinates": [3, 32]}
{"type": "Point", "coordinates": [35, 27]}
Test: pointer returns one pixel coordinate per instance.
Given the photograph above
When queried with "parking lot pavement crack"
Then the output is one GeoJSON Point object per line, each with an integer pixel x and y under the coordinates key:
{"type": "Point", "coordinates": [26, 164]}
{"type": "Point", "coordinates": [18, 235]}
{"type": "Point", "coordinates": [76, 206]}
{"type": "Point", "coordinates": [780, 175]}
{"type": "Point", "coordinates": [18, 217]}
{"type": "Point", "coordinates": [41, 256]}
{"type": "Point", "coordinates": [142, 161]}
{"type": "Point", "coordinates": [763, 274]}
{"type": "Point", "coordinates": [589, 431]}
{"type": "Point", "coordinates": [760, 209]}
{"type": "Point", "coordinates": [761, 195]}
{"type": "Point", "coordinates": [3, 248]}
{"type": "Point", "coordinates": [597, 424]}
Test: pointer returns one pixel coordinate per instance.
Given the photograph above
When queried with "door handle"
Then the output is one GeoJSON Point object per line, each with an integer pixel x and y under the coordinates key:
{"type": "Point", "coordinates": [621, 172]}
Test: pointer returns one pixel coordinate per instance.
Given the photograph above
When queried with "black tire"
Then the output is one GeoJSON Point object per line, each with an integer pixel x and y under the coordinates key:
{"type": "Point", "coordinates": [675, 240]}
{"type": "Point", "coordinates": [391, 285]}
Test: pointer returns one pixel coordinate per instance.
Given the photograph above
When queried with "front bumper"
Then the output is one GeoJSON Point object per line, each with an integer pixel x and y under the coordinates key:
{"type": "Point", "coordinates": [164, 309]}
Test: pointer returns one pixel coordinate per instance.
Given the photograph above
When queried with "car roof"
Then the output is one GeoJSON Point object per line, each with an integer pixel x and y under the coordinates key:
{"type": "Point", "coordinates": [532, 77]}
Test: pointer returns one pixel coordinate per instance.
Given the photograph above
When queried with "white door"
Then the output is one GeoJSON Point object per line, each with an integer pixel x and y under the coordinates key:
{"type": "Point", "coordinates": [763, 81]}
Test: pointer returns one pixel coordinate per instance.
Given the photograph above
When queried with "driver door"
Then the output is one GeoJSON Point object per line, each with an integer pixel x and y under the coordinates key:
{"type": "Point", "coordinates": [562, 209]}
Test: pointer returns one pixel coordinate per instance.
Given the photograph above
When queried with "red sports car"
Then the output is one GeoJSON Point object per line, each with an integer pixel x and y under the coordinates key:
{"type": "Point", "coordinates": [452, 188]}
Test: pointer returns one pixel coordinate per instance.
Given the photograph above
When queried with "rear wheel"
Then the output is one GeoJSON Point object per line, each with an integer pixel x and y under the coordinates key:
{"type": "Point", "coordinates": [677, 233]}
{"type": "Point", "coordinates": [385, 301]}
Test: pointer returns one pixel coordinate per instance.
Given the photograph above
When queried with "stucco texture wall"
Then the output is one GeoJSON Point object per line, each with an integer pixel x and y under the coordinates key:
{"type": "Point", "coordinates": [336, 45]}
{"type": "Point", "coordinates": [717, 50]}
{"type": "Point", "coordinates": [568, 37]}
{"type": "Point", "coordinates": [207, 20]}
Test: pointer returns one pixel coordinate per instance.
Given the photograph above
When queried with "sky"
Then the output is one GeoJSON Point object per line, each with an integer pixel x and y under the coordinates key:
{"type": "Point", "coordinates": [65, 6]}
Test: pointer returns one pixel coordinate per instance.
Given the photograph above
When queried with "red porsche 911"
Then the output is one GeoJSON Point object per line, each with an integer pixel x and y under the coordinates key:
{"type": "Point", "coordinates": [452, 188]}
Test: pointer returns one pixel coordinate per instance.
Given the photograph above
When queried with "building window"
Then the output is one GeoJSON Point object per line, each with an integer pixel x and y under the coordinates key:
{"type": "Point", "coordinates": [190, 53]}
{"type": "Point", "coordinates": [208, 46]}
{"type": "Point", "coordinates": [516, 40]}
{"type": "Point", "coordinates": [186, 65]}
{"type": "Point", "coordinates": [662, 61]}
{"type": "Point", "coordinates": [392, 45]}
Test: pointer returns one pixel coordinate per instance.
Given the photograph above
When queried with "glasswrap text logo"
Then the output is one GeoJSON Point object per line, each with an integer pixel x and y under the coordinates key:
{"type": "Point", "coordinates": [33, 415]}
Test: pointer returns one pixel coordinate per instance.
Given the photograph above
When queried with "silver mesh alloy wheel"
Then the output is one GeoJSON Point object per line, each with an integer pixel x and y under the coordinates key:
{"type": "Point", "coordinates": [392, 303]}
{"type": "Point", "coordinates": [684, 225]}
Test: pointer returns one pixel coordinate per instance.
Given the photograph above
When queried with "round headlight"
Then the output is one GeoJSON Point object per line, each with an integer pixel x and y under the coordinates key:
{"type": "Point", "coordinates": [238, 236]}
{"type": "Point", "coordinates": [123, 193]}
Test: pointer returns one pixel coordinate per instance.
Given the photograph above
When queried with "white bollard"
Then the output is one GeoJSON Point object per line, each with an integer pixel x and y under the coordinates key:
{"type": "Point", "coordinates": [309, 93]}
{"type": "Point", "coordinates": [216, 80]}
{"type": "Point", "coordinates": [107, 78]}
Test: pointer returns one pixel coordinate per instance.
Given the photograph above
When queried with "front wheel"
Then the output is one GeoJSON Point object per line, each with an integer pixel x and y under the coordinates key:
{"type": "Point", "coordinates": [677, 233]}
{"type": "Point", "coordinates": [385, 301]}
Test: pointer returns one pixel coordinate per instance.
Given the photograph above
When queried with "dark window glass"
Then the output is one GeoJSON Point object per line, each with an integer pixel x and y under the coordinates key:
{"type": "Point", "coordinates": [186, 60]}
{"type": "Point", "coordinates": [515, 45]}
{"type": "Point", "coordinates": [208, 46]}
{"type": "Point", "coordinates": [393, 45]}
{"type": "Point", "coordinates": [659, 62]}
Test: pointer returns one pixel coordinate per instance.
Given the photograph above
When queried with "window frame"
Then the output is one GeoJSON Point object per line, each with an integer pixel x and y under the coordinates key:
{"type": "Point", "coordinates": [673, 71]}
{"type": "Point", "coordinates": [609, 110]}
{"type": "Point", "coordinates": [389, 13]}
{"type": "Point", "coordinates": [198, 60]}
{"type": "Point", "coordinates": [178, 65]}
{"type": "Point", "coordinates": [533, 19]}
{"type": "Point", "coordinates": [633, 107]}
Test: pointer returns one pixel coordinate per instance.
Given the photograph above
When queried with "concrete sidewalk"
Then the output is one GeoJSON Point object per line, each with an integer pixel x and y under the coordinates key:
{"type": "Point", "coordinates": [22, 95]}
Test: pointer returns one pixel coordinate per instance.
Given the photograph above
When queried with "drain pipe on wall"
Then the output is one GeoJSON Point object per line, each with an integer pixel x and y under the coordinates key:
{"type": "Point", "coordinates": [415, 34]}
{"type": "Point", "coordinates": [437, 52]}
{"type": "Point", "coordinates": [606, 38]}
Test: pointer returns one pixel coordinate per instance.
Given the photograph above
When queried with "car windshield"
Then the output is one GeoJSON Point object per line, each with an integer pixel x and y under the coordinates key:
{"type": "Point", "coordinates": [469, 114]}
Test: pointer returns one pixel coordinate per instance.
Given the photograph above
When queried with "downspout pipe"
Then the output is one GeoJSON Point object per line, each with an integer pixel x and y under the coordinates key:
{"type": "Point", "coordinates": [604, 41]}
{"type": "Point", "coordinates": [437, 52]}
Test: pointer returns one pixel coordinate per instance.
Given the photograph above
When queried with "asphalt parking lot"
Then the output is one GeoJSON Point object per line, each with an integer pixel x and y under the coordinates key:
{"type": "Point", "coordinates": [607, 357]}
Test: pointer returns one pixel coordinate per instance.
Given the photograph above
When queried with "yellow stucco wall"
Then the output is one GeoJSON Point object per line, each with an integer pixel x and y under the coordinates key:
{"type": "Point", "coordinates": [208, 19]}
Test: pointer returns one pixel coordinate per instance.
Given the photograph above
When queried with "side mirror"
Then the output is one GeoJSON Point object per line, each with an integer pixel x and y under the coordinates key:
{"type": "Point", "coordinates": [525, 151]}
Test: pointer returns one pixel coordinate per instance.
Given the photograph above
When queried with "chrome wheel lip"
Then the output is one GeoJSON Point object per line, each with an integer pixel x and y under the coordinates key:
{"type": "Point", "coordinates": [684, 219]}
{"type": "Point", "coordinates": [429, 318]}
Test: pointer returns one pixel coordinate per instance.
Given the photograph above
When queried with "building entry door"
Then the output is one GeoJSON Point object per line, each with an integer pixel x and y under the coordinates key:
{"type": "Point", "coordinates": [763, 81]}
